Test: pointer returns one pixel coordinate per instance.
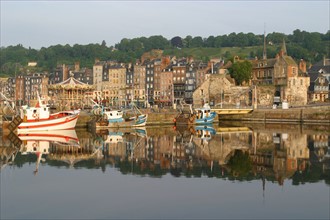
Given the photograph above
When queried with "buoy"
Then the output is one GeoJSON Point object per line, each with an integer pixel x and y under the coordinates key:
{"type": "Point", "coordinates": [174, 127]}
{"type": "Point", "coordinates": [174, 120]}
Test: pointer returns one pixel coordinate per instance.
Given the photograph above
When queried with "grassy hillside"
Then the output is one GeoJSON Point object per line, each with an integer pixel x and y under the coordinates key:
{"type": "Point", "coordinates": [225, 52]}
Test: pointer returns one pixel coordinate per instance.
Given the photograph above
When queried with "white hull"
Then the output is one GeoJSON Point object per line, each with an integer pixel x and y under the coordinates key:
{"type": "Point", "coordinates": [67, 122]}
{"type": "Point", "coordinates": [66, 136]}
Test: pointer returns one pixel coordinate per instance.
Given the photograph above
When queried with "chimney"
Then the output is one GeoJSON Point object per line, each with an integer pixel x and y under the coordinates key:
{"type": "Point", "coordinates": [302, 66]}
{"type": "Point", "coordinates": [77, 66]}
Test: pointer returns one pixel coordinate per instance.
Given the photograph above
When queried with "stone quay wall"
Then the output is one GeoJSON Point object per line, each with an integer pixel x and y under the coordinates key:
{"type": "Point", "coordinates": [292, 115]}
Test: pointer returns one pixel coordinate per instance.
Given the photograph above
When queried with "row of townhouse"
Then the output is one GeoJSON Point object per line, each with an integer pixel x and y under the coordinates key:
{"type": "Point", "coordinates": [161, 81]}
{"type": "Point", "coordinates": [165, 80]}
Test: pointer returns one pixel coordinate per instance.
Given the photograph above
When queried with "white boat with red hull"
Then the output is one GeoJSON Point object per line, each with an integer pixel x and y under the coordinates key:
{"type": "Point", "coordinates": [39, 118]}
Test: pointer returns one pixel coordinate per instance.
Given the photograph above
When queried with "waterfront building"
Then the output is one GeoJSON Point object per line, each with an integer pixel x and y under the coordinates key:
{"type": "Point", "coordinates": [60, 74]}
{"type": "Point", "coordinates": [129, 83]}
{"type": "Point", "coordinates": [166, 87]}
{"type": "Point", "coordinates": [84, 75]}
{"type": "Point", "coordinates": [139, 78]}
{"type": "Point", "coordinates": [149, 82]}
{"type": "Point", "coordinates": [290, 80]}
{"type": "Point", "coordinates": [190, 84]}
{"type": "Point", "coordinates": [319, 87]}
{"type": "Point", "coordinates": [319, 74]}
{"type": "Point", "coordinates": [99, 74]}
{"type": "Point", "coordinates": [157, 82]}
{"type": "Point", "coordinates": [179, 80]}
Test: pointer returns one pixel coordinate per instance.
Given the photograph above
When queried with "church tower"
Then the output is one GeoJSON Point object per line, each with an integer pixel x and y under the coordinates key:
{"type": "Point", "coordinates": [264, 55]}
{"type": "Point", "coordinates": [283, 49]}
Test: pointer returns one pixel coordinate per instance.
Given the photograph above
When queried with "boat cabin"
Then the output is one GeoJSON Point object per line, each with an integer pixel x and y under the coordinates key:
{"type": "Point", "coordinates": [34, 113]}
{"type": "Point", "coordinates": [203, 112]}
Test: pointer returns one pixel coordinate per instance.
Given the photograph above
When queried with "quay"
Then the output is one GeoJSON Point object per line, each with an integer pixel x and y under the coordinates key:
{"type": "Point", "coordinates": [306, 115]}
{"type": "Point", "coordinates": [303, 115]}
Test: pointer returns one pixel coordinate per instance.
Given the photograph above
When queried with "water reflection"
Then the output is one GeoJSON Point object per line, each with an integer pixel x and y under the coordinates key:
{"type": "Point", "coordinates": [273, 152]}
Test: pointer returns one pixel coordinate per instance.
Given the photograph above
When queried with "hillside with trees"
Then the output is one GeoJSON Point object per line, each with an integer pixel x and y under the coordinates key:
{"type": "Point", "coordinates": [311, 47]}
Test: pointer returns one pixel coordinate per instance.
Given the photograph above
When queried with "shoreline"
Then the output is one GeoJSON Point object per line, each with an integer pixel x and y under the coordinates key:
{"type": "Point", "coordinates": [319, 115]}
{"type": "Point", "coordinates": [312, 115]}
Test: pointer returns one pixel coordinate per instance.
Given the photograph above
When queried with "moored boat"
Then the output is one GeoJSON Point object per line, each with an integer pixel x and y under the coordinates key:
{"type": "Point", "coordinates": [39, 118]}
{"type": "Point", "coordinates": [117, 118]}
{"type": "Point", "coordinates": [202, 115]}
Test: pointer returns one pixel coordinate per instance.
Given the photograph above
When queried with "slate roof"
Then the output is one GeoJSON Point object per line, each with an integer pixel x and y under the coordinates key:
{"type": "Point", "coordinates": [323, 64]}
{"type": "Point", "coordinates": [313, 76]}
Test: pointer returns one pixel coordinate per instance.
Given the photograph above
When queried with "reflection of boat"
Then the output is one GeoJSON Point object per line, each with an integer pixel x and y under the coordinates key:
{"type": "Point", "coordinates": [204, 132]}
{"type": "Point", "coordinates": [202, 115]}
{"type": "Point", "coordinates": [39, 142]}
{"type": "Point", "coordinates": [67, 137]}
{"type": "Point", "coordinates": [114, 137]}
{"type": "Point", "coordinates": [116, 118]}
{"type": "Point", "coordinates": [39, 118]}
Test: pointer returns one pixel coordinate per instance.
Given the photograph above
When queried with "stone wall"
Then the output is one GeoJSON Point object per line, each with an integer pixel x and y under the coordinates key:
{"type": "Point", "coordinates": [265, 95]}
{"type": "Point", "coordinates": [221, 89]}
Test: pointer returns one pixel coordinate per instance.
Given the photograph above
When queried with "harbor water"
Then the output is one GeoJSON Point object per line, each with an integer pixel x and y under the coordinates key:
{"type": "Point", "coordinates": [225, 171]}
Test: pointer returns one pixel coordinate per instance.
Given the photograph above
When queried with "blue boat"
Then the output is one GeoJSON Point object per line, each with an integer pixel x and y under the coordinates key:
{"type": "Point", "coordinates": [197, 116]}
{"type": "Point", "coordinates": [115, 118]}
{"type": "Point", "coordinates": [204, 115]}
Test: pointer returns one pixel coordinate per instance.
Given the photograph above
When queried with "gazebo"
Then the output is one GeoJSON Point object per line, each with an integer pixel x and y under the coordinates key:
{"type": "Point", "coordinates": [70, 94]}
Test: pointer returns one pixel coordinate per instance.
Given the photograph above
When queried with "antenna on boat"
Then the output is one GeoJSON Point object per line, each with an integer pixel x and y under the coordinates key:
{"type": "Point", "coordinates": [39, 100]}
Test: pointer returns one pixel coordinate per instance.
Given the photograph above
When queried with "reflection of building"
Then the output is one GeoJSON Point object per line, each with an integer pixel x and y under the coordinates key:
{"type": "Point", "coordinates": [284, 153]}
{"type": "Point", "coordinates": [319, 145]}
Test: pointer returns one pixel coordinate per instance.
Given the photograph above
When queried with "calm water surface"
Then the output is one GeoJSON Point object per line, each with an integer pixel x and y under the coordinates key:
{"type": "Point", "coordinates": [258, 171]}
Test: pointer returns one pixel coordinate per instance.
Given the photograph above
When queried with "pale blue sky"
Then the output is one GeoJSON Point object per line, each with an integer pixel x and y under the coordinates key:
{"type": "Point", "coordinates": [39, 24]}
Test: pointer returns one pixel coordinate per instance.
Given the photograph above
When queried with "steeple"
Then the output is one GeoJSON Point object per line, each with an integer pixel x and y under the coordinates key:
{"type": "Point", "coordinates": [264, 55]}
{"type": "Point", "coordinates": [283, 49]}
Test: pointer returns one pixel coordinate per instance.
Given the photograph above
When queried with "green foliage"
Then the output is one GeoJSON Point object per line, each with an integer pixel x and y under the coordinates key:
{"type": "Point", "coordinates": [301, 44]}
{"type": "Point", "coordinates": [241, 71]}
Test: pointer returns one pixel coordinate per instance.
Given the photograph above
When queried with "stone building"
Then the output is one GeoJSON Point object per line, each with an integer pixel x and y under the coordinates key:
{"type": "Point", "coordinates": [290, 80]}
{"type": "Point", "coordinates": [220, 90]}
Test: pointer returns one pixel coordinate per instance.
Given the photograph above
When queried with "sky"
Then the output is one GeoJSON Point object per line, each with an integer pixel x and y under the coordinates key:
{"type": "Point", "coordinates": [38, 24]}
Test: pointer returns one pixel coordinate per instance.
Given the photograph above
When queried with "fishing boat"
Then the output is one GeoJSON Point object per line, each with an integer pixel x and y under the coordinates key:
{"type": "Point", "coordinates": [39, 118]}
{"type": "Point", "coordinates": [111, 118]}
{"type": "Point", "coordinates": [202, 115]}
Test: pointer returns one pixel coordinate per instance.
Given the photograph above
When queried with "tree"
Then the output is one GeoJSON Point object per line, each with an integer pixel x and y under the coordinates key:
{"type": "Point", "coordinates": [104, 44]}
{"type": "Point", "coordinates": [187, 41]}
{"type": "Point", "coordinates": [176, 42]}
{"type": "Point", "coordinates": [197, 42]}
{"type": "Point", "coordinates": [241, 71]}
